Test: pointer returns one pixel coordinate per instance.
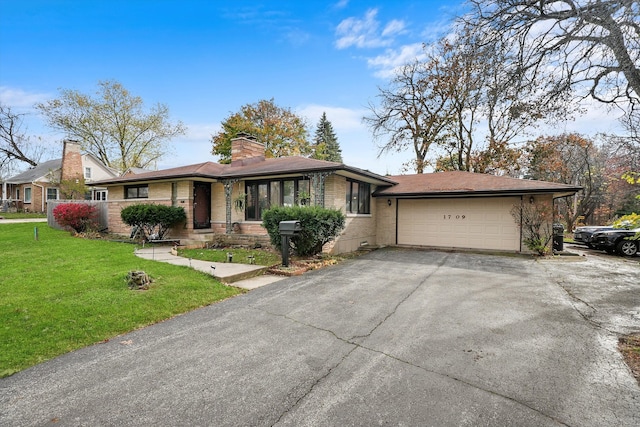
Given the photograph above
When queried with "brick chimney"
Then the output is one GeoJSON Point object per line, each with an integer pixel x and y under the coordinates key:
{"type": "Point", "coordinates": [245, 149]}
{"type": "Point", "coordinates": [71, 161]}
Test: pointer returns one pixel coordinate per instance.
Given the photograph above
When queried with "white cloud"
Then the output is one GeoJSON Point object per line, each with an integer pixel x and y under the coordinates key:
{"type": "Point", "coordinates": [18, 98]}
{"type": "Point", "coordinates": [394, 27]}
{"type": "Point", "coordinates": [342, 119]}
{"type": "Point", "coordinates": [341, 4]}
{"type": "Point", "coordinates": [391, 59]}
{"type": "Point", "coordinates": [201, 132]}
{"type": "Point", "coordinates": [364, 32]}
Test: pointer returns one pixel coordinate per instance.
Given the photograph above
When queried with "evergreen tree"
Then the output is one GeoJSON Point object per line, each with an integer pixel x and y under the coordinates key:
{"type": "Point", "coordinates": [326, 142]}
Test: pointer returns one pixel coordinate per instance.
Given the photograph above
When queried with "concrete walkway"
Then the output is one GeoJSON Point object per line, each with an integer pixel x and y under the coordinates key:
{"type": "Point", "coordinates": [19, 220]}
{"type": "Point", "coordinates": [238, 275]}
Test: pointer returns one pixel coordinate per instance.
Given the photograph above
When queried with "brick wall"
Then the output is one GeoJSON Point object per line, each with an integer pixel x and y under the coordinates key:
{"type": "Point", "coordinates": [71, 161]}
{"type": "Point", "coordinates": [243, 148]}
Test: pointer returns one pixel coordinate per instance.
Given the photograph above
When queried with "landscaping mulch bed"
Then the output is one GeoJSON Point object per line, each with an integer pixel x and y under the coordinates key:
{"type": "Point", "coordinates": [629, 346]}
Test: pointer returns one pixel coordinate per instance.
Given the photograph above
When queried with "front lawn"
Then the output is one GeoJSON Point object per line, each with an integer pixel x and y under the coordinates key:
{"type": "Point", "coordinates": [261, 256]}
{"type": "Point", "coordinates": [21, 215]}
{"type": "Point", "coordinates": [60, 293]}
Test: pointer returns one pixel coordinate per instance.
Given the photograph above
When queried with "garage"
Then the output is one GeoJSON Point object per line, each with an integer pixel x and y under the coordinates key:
{"type": "Point", "coordinates": [475, 223]}
{"type": "Point", "coordinates": [460, 209]}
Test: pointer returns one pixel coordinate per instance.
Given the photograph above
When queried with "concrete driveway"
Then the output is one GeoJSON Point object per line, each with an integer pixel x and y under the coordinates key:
{"type": "Point", "coordinates": [395, 337]}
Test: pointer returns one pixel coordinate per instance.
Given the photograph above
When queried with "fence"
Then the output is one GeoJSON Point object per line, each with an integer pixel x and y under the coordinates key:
{"type": "Point", "coordinates": [101, 209]}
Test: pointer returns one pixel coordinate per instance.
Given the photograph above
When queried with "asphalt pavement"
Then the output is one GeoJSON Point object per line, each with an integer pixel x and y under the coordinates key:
{"type": "Point", "coordinates": [394, 337]}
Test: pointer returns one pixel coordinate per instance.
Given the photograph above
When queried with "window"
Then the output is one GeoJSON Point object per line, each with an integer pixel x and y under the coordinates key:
{"type": "Point", "coordinates": [17, 194]}
{"type": "Point", "coordinates": [136, 191]}
{"type": "Point", "coordinates": [87, 173]}
{"type": "Point", "coordinates": [358, 198]}
{"type": "Point", "coordinates": [27, 194]}
{"type": "Point", "coordinates": [100, 195]}
{"type": "Point", "coordinates": [52, 194]}
{"type": "Point", "coordinates": [264, 194]}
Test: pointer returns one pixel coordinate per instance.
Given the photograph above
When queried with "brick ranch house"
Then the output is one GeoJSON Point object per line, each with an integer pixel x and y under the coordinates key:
{"type": "Point", "coordinates": [33, 188]}
{"type": "Point", "coordinates": [446, 209]}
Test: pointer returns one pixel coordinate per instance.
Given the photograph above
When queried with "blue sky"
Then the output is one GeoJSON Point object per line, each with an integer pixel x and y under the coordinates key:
{"type": "Point", "coordinates": [205, 59]}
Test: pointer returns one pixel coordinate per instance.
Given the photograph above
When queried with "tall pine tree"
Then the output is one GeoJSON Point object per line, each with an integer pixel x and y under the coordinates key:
{"type": "Point", "coordinates": [326, 142]}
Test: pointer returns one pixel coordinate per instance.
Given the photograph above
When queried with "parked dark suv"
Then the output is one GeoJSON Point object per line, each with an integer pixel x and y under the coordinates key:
{"type": "Point", "coordinates": [624, 242]}
{"type": "Point", "coordinates": [584, 234]}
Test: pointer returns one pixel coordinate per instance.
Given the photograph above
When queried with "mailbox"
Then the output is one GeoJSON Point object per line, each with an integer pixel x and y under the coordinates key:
{"type": "Point", "coordinates": [289, 228]}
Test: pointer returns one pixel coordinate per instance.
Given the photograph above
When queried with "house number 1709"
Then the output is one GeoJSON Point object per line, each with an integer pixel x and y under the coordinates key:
{"type": "Point", "coordinates": [454, 216]}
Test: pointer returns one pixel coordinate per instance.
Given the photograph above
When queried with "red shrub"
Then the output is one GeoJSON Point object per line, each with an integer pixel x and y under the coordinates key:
{"type": "Point", "coordinates": [77, 216]}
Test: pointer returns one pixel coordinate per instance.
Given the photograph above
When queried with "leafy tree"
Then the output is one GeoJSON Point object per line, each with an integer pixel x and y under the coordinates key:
{"type": "Point", "coordinates": [592, 46]}
{"type": "Point", "coordinates": [113, 125]}
{"type": "Point", "coordinates": [154, 221]}
{"type": "Point", "coordinates": [569, 159]}
{"type": "Point", "coordinates": [15, 145]}
{"type": "Point", "coordinates": [281, 131]}
{"type": "Point", "coordinates": [326, 142]}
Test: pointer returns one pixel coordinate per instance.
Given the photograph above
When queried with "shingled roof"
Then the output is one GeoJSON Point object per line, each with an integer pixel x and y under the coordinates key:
{"type": "Point", "coordinates": [468, 184]}
{"type": "Point", "coordinates": [37, 172]}
{"type": "Point", "coordinates": [252, 168]}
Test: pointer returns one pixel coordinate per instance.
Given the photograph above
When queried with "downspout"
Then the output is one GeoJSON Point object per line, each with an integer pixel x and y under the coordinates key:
{"type": "Point", "coordinates": [397, 208]}
{"type": "Point", "coordinates": [521, 203]}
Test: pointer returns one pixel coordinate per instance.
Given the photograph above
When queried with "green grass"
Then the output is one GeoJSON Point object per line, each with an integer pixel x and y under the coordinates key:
{"type": "Point", "coordinates": [262, 257]}
{"type": "Point", "coordinates": [21, 215]}
{"type": "Point", "coordinates": [61, 293]}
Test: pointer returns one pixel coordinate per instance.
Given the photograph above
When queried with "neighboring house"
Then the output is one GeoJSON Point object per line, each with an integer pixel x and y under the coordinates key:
{"type": "Point", "coordinates": [449, 209]}
{"type": "Point", "coordinates": [31, 189]}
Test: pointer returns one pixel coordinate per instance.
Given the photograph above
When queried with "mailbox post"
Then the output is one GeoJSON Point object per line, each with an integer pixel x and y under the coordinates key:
{"type": "Point", "coordinates": [287, 230]}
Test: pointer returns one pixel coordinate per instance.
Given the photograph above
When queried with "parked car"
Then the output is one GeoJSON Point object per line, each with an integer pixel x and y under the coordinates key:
{"type": "Point", "coordinates": [624, 242]}
{"type": "Point", "coordinates": [584, 234]}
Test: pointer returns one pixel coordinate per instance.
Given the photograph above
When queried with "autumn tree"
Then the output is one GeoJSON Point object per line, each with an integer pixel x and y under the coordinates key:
{"type": "Point", "coordinates": [569, 159]}
{"type": "Point", "coordinates": [326, 146]}
{"type": "Point", "coordinates": [414, 110]}
{"type": "Point", "coordinates": [113, 125]}
{"type": "Point", "coordinates": [492, 107]}
{"type": "Point", "coordinates": [281, 131]}
{"type": "Point", "coordinates": [16, 147]}
{"type": "Point", "coordinates": [591, 47]}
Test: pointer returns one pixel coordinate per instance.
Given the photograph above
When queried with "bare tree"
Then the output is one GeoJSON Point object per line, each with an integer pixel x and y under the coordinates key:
{"type": "Point", "coordinates": [592, 46]}
{"type": "Point", "coordinates": [113, 126]}
{"type": "Point", "coordinates": [414, 110]}
{"type": "Point", "coordinates": [15, 145]}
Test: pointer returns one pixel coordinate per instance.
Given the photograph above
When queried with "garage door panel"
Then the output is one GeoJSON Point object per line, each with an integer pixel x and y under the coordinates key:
{"type": "Point", "coordinates": [480, 223]}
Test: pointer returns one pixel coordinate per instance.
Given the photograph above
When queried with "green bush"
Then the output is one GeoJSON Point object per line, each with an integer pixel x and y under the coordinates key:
{"type": "Point", "coordinates": [80, 217]}
{"type": "Point", "coordinates": [319, 226]}
{"type": "Point", "coordinates": [152, 221]}
{"type": "Point", "coordinates": [630, 221]}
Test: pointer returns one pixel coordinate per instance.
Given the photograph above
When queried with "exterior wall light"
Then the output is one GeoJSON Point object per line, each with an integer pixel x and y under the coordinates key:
{"type": "Point", "coordinates": [389, 202]}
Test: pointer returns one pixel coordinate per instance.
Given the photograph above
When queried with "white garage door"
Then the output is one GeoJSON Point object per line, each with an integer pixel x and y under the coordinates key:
{"type": "Point", "coordinates": [478, 223]}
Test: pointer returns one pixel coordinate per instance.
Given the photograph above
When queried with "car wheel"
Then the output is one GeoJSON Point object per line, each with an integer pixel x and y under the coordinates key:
{"type": "Point", "coordinates": [627, 248]}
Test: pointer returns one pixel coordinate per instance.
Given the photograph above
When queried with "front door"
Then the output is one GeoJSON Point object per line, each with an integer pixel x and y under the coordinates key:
{"type": "Point", "coordinates": [201, 205]}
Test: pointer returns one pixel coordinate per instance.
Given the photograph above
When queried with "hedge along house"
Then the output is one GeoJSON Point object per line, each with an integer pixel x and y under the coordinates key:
{"type": "Point", "coordinates": [32, 189]}
{"type": "Point", "coordinates": [227, 201]}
